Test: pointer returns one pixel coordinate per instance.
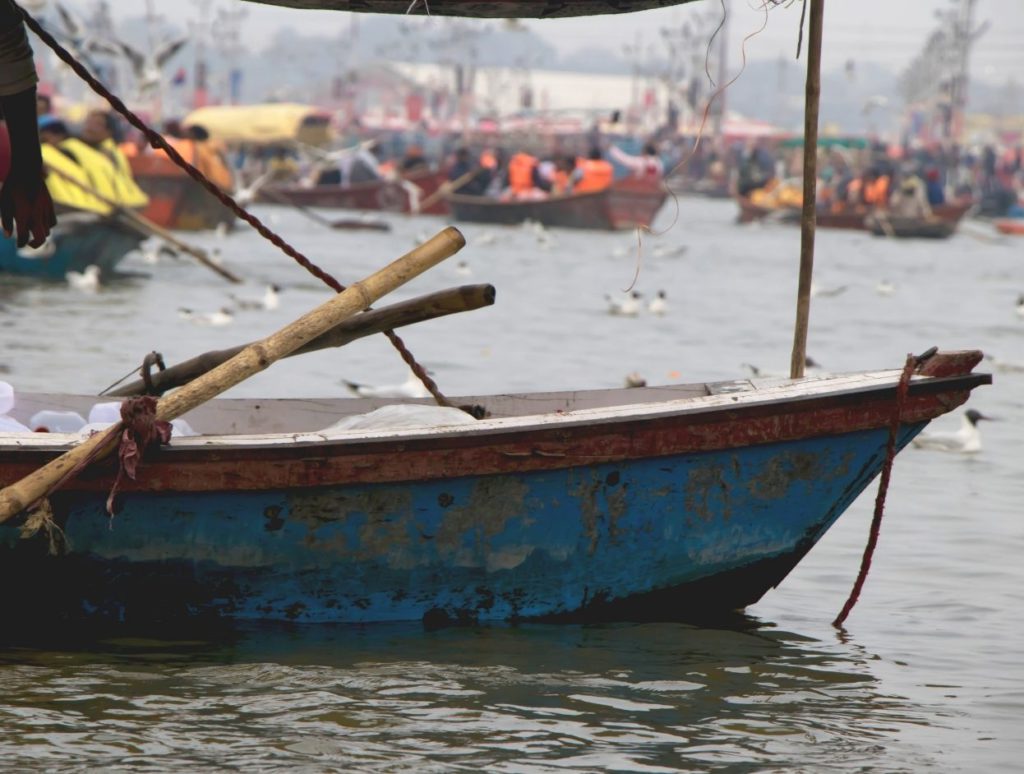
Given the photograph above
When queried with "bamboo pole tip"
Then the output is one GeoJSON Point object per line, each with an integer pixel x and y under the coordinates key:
{"type": "Point", "coordinates": [456, 236]}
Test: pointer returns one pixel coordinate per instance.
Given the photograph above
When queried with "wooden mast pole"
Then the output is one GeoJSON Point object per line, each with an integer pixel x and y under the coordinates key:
{"type": "Point", "coordinates": [807, 221]}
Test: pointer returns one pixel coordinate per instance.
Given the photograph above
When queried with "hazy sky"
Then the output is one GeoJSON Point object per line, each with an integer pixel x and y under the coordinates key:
{"type": "Point", "coordinates": [889, 32]}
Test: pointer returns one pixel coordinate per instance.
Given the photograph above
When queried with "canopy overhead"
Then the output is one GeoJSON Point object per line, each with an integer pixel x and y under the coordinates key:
{"type": "Point", "coordinates": [498, 9]}
{"type": "Point", "coordinates": [269, 124]}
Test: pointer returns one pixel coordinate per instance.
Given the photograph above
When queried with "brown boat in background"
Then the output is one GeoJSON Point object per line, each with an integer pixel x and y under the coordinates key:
{"type": "Point", "coordinates": [950, 214]}
{"type": "Point", "coordinates": [627, 204]}
{"type": "Point", "coordinates": [383, 195]}
{"type": "Point", "coordinates": [176, 201]}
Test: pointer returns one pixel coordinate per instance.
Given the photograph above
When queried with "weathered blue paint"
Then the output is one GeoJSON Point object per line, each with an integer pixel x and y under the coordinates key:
{"type": "Point", "coordinates": [73, 245]}
{"type": "Point", "coordinates": [554, 543]}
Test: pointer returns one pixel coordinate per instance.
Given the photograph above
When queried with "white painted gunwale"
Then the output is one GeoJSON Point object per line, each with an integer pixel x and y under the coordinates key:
{"type": "Point", "coordinates": [747, 393]}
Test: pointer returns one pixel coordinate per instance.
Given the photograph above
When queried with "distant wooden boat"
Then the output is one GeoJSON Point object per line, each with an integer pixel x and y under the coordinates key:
{"type": "Point", "coordinates": [950, 213]}
{"type": "Point", "coordinates": [384, 195]}
{"type": "Point", "coordinates": [1011, 226]}
{"type": "Point", "coordinates": [176, 201]}
{"type": "Point", "coordinates": [79, 240]}
{"type": "Point", "coordinates": [648, 503]}
{"type": "Point", "coordinates": [495, 9]}
{"type": "Point", "coordinates": [627, 204]}
{"type": "Point", "coordinates": [909, 228]}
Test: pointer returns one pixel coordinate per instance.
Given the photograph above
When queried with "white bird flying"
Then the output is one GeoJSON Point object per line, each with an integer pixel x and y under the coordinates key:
{"type": "Point", "coordinates": [246, 195]}
{"type": "Point", "coordinates": [410, 388]}
{"type": "Point", "coordinates": [148, 67]}
{"type": "Point", "coordinates": [628, 306]}
{"type": "Point", "coordinates": [221, 317]}
{"type": "Point", "coordinates": [658, 305]}
{"type": "Point", "coordinates": [80, 39]}
{"type": "Point", "coordinates": [87, 281]}
{"type": "Point", "coordinates": [966, 440]}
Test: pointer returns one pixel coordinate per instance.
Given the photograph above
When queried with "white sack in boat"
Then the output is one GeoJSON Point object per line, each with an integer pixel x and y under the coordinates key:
{"type": "Point", "coordinates": [180, 428]}
{"type": "Point", "coordinates": [401, 416]}
{"type": "Point", "coordinates": [57, 421]}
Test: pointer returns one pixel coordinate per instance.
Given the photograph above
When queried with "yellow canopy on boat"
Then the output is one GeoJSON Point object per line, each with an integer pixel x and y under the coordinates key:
{"type": "Point", "coordinates": [262, 124]}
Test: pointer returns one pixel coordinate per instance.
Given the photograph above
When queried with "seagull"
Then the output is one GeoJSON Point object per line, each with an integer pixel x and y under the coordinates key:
{"type": "Point", "coordinates": [819, 292]}
{"type": "Point", "coordinates": [462, 269]}
{"type": "Point", "coordinates": [664, 251]}
{"type": "Point", "coordinates": [148, 66]}
{"type": "Point", "coordinates": [629, 306]}
{"type": "Point", "coordinates": [966, 440]}
{"type": "Point", "coordinates": [151, 254]}
{"type": "Point", "coordinates": [810, 365]}
{"type": "Point", "coordinates": [87, 281]}
{"type": "Point", "coordinates": [268, 302]}
{"type": "Point", "coordinates": [1004, 366]}
{"type": "Point", "coordinates": [635, 380]}
{"type": "Point", "coordinates": [221, 317]}
{"type": "Point", "coordinates": [80, 39]}
{"type": "Point", "coordinates": [486, 238]}
{"type": "Point", "coordinates": [246, 195]}
{"type": "Point", "coordinates": [410, 388]}
{"type": "Point", "coordinates": [658, 305]}
{"type": "Point", "coordinates": [1020, 306]}
{"type": "Point", "coordinates": [885, 288]}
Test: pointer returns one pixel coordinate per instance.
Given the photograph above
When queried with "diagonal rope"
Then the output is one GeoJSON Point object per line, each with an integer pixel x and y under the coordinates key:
{"type": "Point", "coordinates": [157, 141]}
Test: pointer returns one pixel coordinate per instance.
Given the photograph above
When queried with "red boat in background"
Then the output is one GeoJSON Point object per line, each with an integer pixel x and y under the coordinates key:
{"type": "Point", "coordinates": [404, 195]}
{"type": "Point", "coordinates": [950, 214]}
{"type": "Point", "coordinates": [1011, 226]}
{"type": "Point", "coordinates": [176, 201]}
{"type": "Point", "coordinates": [629, 203]}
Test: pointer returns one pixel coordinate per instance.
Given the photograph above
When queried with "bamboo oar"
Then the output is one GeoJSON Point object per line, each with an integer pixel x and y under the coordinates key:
{"type": "Point", "coordinates": [316, 217]}
{"type": "Point", "coordinates": [149, 228]}
{"type": "Point", "coordinates": [253, 359]}
{"type": "Point", "coordinates": [447, 186]}
{"type": "Point", "coordinates": [429, 307]}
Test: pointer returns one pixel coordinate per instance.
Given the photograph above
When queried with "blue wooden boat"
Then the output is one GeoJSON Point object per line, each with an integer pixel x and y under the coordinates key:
{"type": "Point", "coordinates": [651, 503]}
{"type": "Point", "coordinates": [79, 240]}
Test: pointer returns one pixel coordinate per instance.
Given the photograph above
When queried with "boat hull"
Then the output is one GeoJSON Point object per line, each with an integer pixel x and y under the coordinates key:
{"type": "Point", "coordinates": [498, 9]}
{"type": "Point", "coordinates": [851, 221]}
{"type": "Point", "coordinates": [375, 195]}
{"type": "Point", "coordinates": [627, 204]}
{"type": "Point", "coordinates": [176, 201]}
{"type": "Point", "coordinates": [78, 241]}
{"type": "Point", "coordinates": [1010, 226]}
{"type": "Point", "coordinates": [644, 512]}
{"type": "Point", "coordinates": [575, 543]}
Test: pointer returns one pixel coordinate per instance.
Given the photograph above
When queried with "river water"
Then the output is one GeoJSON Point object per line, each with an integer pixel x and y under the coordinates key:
{"type": "Point", "coordinates": [927, 674]}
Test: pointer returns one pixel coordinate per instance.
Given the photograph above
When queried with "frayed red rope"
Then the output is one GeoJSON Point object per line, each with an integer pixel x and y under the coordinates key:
{"type": "Point", "coordinates": [157, 141]}
{"type": "Point", "coordinates": [883, 488]}
{"type": "Point", "coordinates": [141, 429]}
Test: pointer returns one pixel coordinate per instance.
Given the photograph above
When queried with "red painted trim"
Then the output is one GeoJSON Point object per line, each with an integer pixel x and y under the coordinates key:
{"type": "Point", "coordinates": [507, 451]}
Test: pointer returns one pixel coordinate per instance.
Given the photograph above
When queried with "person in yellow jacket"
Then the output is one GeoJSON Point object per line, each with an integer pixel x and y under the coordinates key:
{"type": "Point", "coordinates": [67, 180]}
{"type": "Point", "coordinates": [98, 134]}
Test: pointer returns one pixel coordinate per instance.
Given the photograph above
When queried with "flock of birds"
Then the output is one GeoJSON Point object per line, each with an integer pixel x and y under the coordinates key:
{"type": "Point", "coordinates": [631, 304]}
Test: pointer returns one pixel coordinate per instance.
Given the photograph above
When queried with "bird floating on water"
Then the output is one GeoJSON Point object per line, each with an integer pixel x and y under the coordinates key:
{"type": "Point", "coordinates": [268, 302]}
{"type": "Point", "coordinates": [628, 306]}
{"type": "Point", "coordinates": [87, 281]}
{"type": "Point", "coordinates": [819, 292]}
{"type": "Point", "coordinates": [221, 317]}
{"type": "Point", "coordinates": [966, 440]}
{"type": "Point", "coordinates": [1020, 306]}
{"type": "Point", "coordinates": [634, 379]}
{"type": "Point", "coordinates": [658, 304]}
{"type": "Point", "coordinates": [462, 269]}
{"type": "Point", "coordinates": [885, 288]}
{"type": "Point", "coordinates": [665, 251]}
{"type": "Point", "coordinates": [412, 387]}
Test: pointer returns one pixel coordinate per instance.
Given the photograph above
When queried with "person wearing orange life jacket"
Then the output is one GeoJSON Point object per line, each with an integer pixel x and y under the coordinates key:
{"type": "Point", "coordinates": [592, 173]}
{"type": "Point", "coordinates": [521, 171]}
{"type": "Point", "coordinates": [561, 179]}
{"type": "Point", "coordinates": [876, 191]}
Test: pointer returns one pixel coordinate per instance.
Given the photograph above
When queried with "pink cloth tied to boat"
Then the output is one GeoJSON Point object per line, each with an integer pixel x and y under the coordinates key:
{"type": "Point", "coordinates": [141, 430]}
